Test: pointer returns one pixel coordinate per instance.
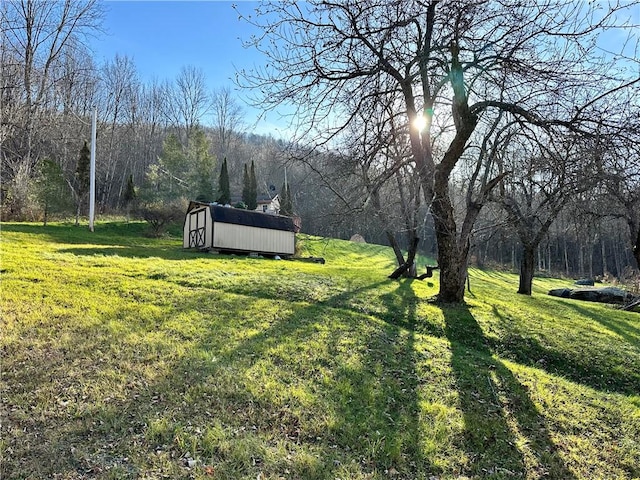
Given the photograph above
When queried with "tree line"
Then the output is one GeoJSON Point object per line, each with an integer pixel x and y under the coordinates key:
{"type": "Point", "coordinates": [527, 154]}
{"type": "Point", "coordinates": [165, 138]}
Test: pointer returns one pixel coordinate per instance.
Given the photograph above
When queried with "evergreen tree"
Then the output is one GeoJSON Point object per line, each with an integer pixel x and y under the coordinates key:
{"type": "Point", "coordinates": [169, 174]}
{"type": "Point", "coordinates": [83, 170]}
{"type": "Point", "coordinates": [202, 166]}
{"type": "Point", "coordinates": [130, 192]}
{"type": "Point", "coordinates": [246, 188]}
{"type": "Point", "coordinates": [252, 202]}
{"type": "Point", "coordinates": [82, 178]}
{"type": "Point", "coordinates": [224, 188]}
{"type": "Point", "coordinates": [182, 172]}
{"type": "Point", "coordinates": [283, 199]}
{"type": "Point", "coordinates": [289, 200]}
{"type": "Point", "coordinates": [286, 203]}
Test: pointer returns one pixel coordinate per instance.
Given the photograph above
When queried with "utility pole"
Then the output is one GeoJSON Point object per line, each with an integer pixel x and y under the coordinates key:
{"type": "Point", "coordinates": [92, 174]}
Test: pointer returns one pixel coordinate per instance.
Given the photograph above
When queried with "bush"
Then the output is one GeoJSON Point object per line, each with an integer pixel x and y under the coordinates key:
{"type": "Point", "coordinates": [161, 214]}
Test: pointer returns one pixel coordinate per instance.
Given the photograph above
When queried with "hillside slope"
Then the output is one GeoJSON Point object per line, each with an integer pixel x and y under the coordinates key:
{"type": "Point", "coordinates": [127, 357]}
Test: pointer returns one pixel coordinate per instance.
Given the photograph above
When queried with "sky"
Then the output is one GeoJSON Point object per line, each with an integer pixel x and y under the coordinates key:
{"type": "Point", "coordinates": [163, 36]}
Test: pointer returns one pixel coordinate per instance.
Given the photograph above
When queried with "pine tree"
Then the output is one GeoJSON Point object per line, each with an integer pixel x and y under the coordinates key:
{"type": "Point", "coordinates": [223, 184]}
{"type": "Point", "coordinates": [202, 164]}
{"type": "Point", "coordinates": [181, 171]}
{"type": "Point", "coordinates": [289, 200]}
{"type": "Point", "coordinates": [286, 203]}
{"type": "Point", "coordinates": [283, 199]}
{"type": "Point", "coordinates": [130, 191]}
{"type": "Point", "coordinates": [246, 188]}
{"type": "Point", "coordinates": [83, 172]}
{"type": "Point", "coordinates": [252, 202]}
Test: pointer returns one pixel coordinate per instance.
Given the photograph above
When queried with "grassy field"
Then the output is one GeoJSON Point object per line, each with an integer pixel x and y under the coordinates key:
{"type": "Point", "coordinates": [127, 357]}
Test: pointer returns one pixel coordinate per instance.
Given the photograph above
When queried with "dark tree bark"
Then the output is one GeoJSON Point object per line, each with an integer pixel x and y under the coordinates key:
{"type": "Point", "coordinates": [406, 268]}
{"type": "Point", "coordinates": [397, 251]}
{"type": "Point", "coordinates": [527, 269]}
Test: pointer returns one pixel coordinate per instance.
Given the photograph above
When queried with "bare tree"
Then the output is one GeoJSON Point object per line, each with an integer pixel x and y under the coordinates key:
{"type": "Point", "coordinates": [387, 179]}
{"type": "Point", "coordinates": [118, 120]}
{"type": "Point", "coordinates": [151, 107]}
{"type": "Point", "coordinates": [621, 175]}
{"type": "Point", "coordinates": [227, 120]}
{"type": "Point", "coordinates": [473, 62]}
{"type": "Point", "coordinates": [187, 101]}
{"type": "Point", "coordinates": [546, 173]}
{"type": "Point", "coordinates": [35, 34]}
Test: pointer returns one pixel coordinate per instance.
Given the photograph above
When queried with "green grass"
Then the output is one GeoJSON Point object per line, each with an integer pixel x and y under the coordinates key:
{"type": "Point", "coordinates": [127, 357]}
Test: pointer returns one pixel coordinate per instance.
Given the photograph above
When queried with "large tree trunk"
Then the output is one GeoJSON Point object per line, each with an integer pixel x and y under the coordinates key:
{"type": "Point", "coordinates": [636, 250]}
{"type": "Point", "coordinates": [452, 262]}
{"type": "Point", "coordinates": [527, 265]}
{"type": "Point", "coordinates": [453, 275]}
{"type": "Point", "coordinates": [566, 256]}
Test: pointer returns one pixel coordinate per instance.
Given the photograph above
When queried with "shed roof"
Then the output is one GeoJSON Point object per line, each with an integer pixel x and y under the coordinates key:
{"type": "Point", "coordinates": [249, 218]}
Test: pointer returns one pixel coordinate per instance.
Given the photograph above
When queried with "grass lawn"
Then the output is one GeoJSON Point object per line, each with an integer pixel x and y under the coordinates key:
{"type": "Point", "coordinates": [127, 357]}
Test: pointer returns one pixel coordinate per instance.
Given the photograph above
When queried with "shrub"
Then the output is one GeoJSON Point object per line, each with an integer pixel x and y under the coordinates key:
{"type": "Point", "coordinates": [161, 214]}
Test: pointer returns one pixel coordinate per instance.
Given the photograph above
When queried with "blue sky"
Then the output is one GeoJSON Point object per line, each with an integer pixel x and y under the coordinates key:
{"type": "Point", "coordinates": [163, 36]}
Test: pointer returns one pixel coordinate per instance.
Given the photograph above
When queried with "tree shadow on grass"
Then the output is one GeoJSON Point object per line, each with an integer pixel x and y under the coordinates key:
{"type": "Point", "coordinates": [348, 410]}
{"type": "Point", "coordinates": [165, 253]}
{"type": "Point", "coordinates": [593, 365]}
{"type": "Point", "coordinates": [103, 234]}
{"type": "Point", "coordinates": [367, 388]}
{"type": "Point", "coordinates": [236, 401]}
{"type": "Point", "coordinates": [628, 329]}
{"type": "Point", "coordinates": [505, 435]}
{"type": "Point", "coordinates": [108, 239]}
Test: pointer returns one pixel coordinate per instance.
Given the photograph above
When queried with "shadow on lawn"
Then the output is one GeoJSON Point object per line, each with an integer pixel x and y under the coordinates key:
{"type": "Point", "coordinates": [593, 365]}
{"type": "Point", "coordinates": [108, 239]}
{"type": "Point", "coordinates": [359, 411]}
{"type": "Point", "coordinates": [367, 389]}
{"type": "Point", "coordinates": [498, 412]}
{"type": "Point", "coordinates": [103, 234]}
{"type": "Point", "coordinates": [629, 331]}
{"type": "Point", "coordinates": [166, 253]}
{"type": "Point", "coordinates": [364, 383]}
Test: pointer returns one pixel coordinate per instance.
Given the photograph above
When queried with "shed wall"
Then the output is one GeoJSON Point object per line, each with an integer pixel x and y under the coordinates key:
{"type": "Point", "coordinates": [252, 239]}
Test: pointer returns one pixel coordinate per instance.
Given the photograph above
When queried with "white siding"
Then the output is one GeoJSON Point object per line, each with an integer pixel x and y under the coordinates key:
{"type": "Point", "coordinates": [252, 239]}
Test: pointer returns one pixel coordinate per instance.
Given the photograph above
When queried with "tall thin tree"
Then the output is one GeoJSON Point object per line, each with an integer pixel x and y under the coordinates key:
{"type": "Point", "coordinates": [246, 187]}
{"type": "Point", "coordinates": [82, 179]}
{"type": "Point", "coordinates": [252, 200]}
{"type": "Point", "coordinates": [224, 188]}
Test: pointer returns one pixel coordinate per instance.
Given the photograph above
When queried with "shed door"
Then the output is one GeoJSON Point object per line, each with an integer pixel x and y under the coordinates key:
{"type": "Point", "coordinates": [197, 228]}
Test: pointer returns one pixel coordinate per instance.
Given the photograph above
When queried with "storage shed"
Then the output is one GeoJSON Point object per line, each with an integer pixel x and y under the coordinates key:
{"type": "Point", "coordinates": [212, 226]}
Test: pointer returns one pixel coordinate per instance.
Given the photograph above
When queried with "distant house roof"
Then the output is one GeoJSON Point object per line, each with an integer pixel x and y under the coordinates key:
{"type": "Point", "coordinates": [265, 200]}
